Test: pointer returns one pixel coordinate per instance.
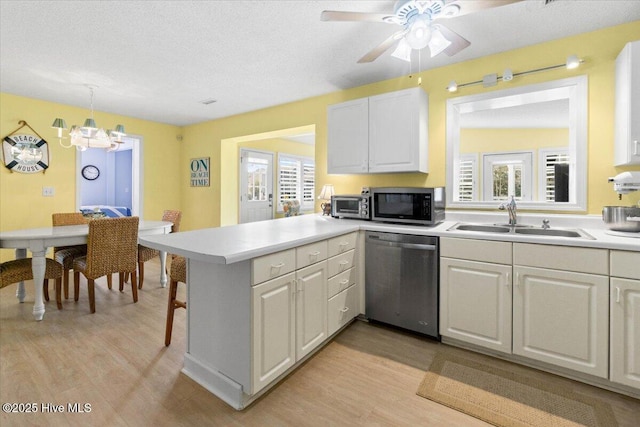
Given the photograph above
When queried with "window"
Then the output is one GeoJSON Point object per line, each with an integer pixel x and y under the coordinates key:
{"type": "Point", "coordinates": [554, 175]}
{"type": "Point", "coordinates": [507, 175]}
{"type": "Point", "coordinates": [296, 180]}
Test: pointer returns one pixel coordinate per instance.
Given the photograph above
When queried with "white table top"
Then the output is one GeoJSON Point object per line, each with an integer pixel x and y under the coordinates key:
{"type": "Point", "coordinates": [17, 238]}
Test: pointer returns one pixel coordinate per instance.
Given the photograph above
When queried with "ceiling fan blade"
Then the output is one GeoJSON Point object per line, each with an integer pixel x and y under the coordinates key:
{"type": "Point", "coordinates": [334, 15]}
{"type": "Point", "coordinates": [467, 7]}
{"type": "Point", "coordinates": [457, 41]}
{"type": "Point", "coordinates": [382, 47]}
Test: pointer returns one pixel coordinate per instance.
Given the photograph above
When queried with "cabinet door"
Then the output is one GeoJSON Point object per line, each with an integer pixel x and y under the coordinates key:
{"type": "Point", "coordinates": [625, 332]}
{"type": "Point", "coordinates": [311, 308]}
{"type": "Point", "coordinates": [273, 329]}
{"type": "Point", "coordinates": [562, 318]}
{"type": "Point", "coordinates": [348, 137]}
{"type": "Point", "coordinates": [398, 134]}
{"type": "Point", "coordinates": [627, 125]}
{"type": "Point", "coordinates": [475, 303]}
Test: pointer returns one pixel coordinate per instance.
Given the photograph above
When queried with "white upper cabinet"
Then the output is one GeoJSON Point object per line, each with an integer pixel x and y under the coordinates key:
{"type": "Point", "coordinates": [380, 134]}
{"type": "Point", "coordinates": [627, 124]}
{"type": "Point", "coordinates": [348, 137]}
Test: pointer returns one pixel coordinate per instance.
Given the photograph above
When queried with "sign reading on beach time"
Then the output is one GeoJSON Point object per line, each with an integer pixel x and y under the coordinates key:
{"type": "Point", "coordinates": [199, 170]}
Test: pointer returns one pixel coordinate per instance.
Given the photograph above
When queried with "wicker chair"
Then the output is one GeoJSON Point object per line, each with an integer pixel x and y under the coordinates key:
{"type": "Point", "coordinates": [178, 274]}
{"type": "Point", "coordinates": [111, 248]}
{"type": "Point", "coordinates": [20, 270]}
{"type": "Point", "coordinates": [66, 254]}
{"type": "Point", "coordinates": [145, 254]}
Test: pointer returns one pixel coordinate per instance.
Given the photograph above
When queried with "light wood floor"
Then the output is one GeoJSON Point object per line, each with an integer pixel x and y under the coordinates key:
{"type": "Point", "coordinates": [116, 361]}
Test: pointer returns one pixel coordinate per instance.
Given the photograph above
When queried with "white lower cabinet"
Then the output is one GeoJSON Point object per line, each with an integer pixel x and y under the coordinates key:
{"type": "Point", "coordinates": [296, 312]}
{"type": "Point", "coordinates": [624, 362]}
{"type": "Point", "coordinates": [289, 321]}
{"type": "Point", "coordinates": [274, 329]}
{"type": "Point", "coordinates": [561, 306]}
{"type": "Point", "coordinates": [625, 332]}
{"type": "Point", "coordinates": [475, 292]}
{"type": "Point", "coordinates": [475, 303]}
{"type": "Point", "coordinates": [311, 308]}
{"type": "Point", "coordinates": [562, 318]}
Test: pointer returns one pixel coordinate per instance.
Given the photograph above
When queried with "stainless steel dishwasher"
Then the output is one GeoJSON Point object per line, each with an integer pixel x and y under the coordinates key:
{"type": "Point", "coordinates": [402, 281]}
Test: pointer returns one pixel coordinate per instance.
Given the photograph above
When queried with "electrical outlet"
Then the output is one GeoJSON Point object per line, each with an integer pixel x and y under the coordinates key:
{"type": "Point", "coordinates": [48, 191]}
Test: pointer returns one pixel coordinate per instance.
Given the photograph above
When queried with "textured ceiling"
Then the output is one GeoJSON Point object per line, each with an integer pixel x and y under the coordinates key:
{"type": "Point", "coordinates": [157, 60]}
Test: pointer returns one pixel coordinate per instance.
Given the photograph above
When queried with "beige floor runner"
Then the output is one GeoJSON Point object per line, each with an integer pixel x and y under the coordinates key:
{"type": "Point", "coordinates": [506, 399]}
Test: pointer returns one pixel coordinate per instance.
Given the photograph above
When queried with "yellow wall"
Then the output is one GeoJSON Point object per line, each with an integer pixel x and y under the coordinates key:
{"type": "Point", "coordinates": [166, 160]}
{"type": "Point", "coordinates": [21, 202]}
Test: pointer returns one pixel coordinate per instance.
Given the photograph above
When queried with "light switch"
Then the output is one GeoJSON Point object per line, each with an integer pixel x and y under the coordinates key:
{"type": "Point", "coordinates": [48, 191]}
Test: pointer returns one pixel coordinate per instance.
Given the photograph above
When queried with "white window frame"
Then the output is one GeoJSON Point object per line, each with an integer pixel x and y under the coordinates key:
{"type": "Point", "coordinates": [301, 188]}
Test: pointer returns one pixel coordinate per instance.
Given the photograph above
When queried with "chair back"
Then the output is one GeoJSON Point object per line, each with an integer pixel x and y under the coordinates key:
{"type": "Point", "coordinates": [174, 217]}
{"type": "Point", "coordinates": [68, 218]}
{"type": "Point", "coordinates": [112, 246]}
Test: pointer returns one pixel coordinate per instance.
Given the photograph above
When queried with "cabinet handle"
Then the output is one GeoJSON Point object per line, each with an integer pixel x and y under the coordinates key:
{"type": "Point", "coordinates": [278, 265]}
{"type": "Point", "coordinates": [617, 294]}
{"type": "Point", "coordinates": [635, 148]}
{"type": "Point", "coordinates": [344, 282]}
{"type": "Point", "coordinates": [341, 244]}
{"type": "Point", "coordinates": [316, 253]}
{"type": "Point", "coordinates": [344, 310]}
{"type": "Point", "coordinates": [518, 280]}
{"type": "Point", "coordinates": [508, 280]}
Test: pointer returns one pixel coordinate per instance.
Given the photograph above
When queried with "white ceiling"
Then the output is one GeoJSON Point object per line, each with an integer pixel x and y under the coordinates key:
{"type": "Point", "coordinates": [157, 60]}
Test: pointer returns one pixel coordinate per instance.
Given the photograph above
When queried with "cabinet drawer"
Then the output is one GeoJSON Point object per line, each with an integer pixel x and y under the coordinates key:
{"type": "Point", "coordinates": [274, 265]}
{"type": "Point", "coordinates": [342, 308]}
{"type": "Point", "coordinates": [625, 264]}
{"type": "Point", "coordinates": [476, 250]}
{"type": "Point", "coordinates": [341, 263]}
{"type": "Point", "coordinates": [311, 253]}
{"type": "Point", "coordinates": [568, 258]}
{"type": "Point", "coordinates": [341, 281]}
{"type": "Point", "coordinates": [341, 244]}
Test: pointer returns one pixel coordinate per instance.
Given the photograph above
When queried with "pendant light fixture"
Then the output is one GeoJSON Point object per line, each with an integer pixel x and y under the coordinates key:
{"type": "Point", "coordinates": [90, 135]}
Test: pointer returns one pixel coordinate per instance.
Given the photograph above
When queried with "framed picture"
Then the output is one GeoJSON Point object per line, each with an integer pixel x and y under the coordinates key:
{"type": "Point", "coordinates": [199, 172]}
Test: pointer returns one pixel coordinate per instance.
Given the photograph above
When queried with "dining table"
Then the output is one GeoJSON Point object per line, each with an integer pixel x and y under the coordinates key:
{"type": "Point", "coordinates": [38, 240]}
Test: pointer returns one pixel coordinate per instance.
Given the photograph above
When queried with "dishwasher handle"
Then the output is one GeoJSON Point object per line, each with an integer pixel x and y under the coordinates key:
{"type": "Point", "coordinates": [403, 245]}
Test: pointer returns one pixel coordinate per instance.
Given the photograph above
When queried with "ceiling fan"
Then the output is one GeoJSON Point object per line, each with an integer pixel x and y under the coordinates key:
{"type": "Point", "coordinates": [421, 26]}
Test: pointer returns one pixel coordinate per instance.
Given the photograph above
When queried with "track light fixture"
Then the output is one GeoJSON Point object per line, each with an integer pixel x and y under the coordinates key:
{"type": "Point", "coordinates": [488, 80]}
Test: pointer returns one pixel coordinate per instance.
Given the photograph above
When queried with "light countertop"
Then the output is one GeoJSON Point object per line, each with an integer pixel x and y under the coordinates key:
{"type": "Point", "coordinates": [230, 244]}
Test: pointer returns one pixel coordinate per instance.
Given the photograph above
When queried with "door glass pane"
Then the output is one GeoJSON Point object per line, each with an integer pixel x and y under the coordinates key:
{"type": "Point", "coordinates": [257, 179]}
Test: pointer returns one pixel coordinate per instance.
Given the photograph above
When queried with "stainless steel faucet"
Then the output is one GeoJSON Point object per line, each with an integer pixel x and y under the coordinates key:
{"type": "Point", "coordinates": [511, 209]}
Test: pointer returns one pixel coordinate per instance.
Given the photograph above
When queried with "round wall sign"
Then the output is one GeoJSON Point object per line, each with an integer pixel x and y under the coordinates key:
{"type": "Point", "coordinates": [90, 172]}
{"type": "Point", "coordinates": [25, 153]}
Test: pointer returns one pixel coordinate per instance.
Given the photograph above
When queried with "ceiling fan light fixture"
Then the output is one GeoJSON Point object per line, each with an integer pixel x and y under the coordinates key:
{"type": "Point", "coordinates": [403, 51]}
{"type": "Point", "coordinates": [419, 33]}
{"type": "Point", "coordinates": [438, 43]}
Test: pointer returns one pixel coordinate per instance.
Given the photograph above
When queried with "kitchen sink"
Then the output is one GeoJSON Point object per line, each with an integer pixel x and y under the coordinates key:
{"type": "Point", "coordinates": [481, 227]}
{"type": "Point", "coordinates": [553, 232]}
{"type": "Point", "coordinates": [522, 229]}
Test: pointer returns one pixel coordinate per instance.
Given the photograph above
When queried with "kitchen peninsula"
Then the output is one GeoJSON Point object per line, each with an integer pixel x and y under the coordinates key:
{"type": "Point", "coordinates": [264, 296]}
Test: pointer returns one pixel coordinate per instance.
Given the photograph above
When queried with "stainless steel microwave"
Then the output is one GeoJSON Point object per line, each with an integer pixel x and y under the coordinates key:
{"type": "Point", "coordinates": [408, 205]}
{"type": "Point", "coordinates": [356, 206]}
